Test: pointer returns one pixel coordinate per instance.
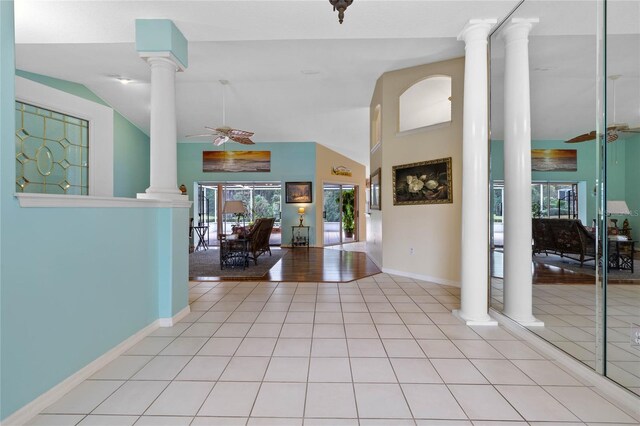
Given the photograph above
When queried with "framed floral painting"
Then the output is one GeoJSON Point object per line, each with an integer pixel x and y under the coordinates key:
{"type": "Point", "coordinates": [427, 182]}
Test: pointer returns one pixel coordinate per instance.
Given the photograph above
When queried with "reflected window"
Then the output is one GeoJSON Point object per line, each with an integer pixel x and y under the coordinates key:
{"type": "Point", "coordinates": [426, 103]}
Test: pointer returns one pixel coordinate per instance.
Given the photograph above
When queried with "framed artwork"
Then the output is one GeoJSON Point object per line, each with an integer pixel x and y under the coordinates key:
{"type": "Point", "coordinates": [427, 182]}
{"type": "Point", "coordinates": [374, 191]}
{"type": "Point", "coordinates": [236, 161]}
{"type": "Point", "coordinates": [298, 192]}
{"type": "Point", "coordinates": [554, 160]}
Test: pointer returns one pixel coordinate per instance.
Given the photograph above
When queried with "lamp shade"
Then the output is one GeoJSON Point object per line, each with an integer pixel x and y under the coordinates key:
{"type": "Point", "coordinates": [234, 206]}
{"type": "Point", "coordinates": [301, 210]}
{"type": "Point", "coordinates": [617, 207]}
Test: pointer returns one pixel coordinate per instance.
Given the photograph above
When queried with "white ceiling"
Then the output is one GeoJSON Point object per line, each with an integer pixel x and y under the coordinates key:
{"type": "Point", "coordinates": [295, 74]}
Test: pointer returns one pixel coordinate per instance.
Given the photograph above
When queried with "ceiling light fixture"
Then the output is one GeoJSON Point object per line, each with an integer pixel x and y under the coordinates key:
{"type": "Point", "coordinates": [340, 6]}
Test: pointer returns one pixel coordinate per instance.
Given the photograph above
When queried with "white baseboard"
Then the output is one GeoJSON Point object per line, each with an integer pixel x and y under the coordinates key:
{"type": "Point", "coordinates": [169, 322]}
{"type": "Point", "coordinates": [623, 398]}
{"type": "Point", "coordinates": [33, 408]}
{"type": "Point", "coordinates": [436, 280]}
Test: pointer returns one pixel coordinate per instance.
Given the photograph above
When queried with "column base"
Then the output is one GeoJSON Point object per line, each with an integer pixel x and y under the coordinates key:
{"type": "Point", "coordinates": [159, 195]}
{"type": "Point", "coordinates": [486, 320]}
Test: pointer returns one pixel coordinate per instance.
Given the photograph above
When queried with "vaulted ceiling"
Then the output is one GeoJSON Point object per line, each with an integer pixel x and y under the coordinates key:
{"type": "Point", "coordinates": [296, 74]}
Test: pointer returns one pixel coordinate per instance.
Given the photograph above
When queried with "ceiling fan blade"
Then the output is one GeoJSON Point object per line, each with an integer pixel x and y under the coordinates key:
{"type": "Point", "coordinates": [242, 140]}
{"type": "Point", "coordinates": [631, 130]}
{"type": "Point", "coordinates": [583, 138]}
{"type": "Point", "coordinates": [220, 140]}
{"type": "Point", "coordinates": [242, 133]}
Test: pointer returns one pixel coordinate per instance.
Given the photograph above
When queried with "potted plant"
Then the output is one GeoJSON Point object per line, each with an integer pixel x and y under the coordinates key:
{"type": "Point", "coordinates": [348, 211]}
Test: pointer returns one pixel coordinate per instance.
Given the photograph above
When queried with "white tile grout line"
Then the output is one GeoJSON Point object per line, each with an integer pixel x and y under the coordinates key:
{"type": "Point", "coordinates": [381, 285]}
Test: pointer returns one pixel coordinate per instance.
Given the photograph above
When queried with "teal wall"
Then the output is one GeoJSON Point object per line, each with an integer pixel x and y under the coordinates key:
{"type": "Point", "coordinates": [290, 162]}
{"type": "Point", "coordinates": [130, 144]}
{"type": "Point", "coordinates": [131, 167]}
{"type": "Point", "coordinates": [622, 160]}
{"type": "Point", "coordinates": [74, 282]}
{"type": "Point", "coordinates": [632, 189]}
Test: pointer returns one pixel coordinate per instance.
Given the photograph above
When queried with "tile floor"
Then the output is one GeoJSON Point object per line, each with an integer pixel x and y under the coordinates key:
{"type": "Point", "coordinates": [568, 312]}
{"type": "Point", "coordinates": [380, 351]}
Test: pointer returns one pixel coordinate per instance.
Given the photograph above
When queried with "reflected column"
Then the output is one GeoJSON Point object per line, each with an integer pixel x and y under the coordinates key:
{"type": "Point", "coordinates": [518, 290]}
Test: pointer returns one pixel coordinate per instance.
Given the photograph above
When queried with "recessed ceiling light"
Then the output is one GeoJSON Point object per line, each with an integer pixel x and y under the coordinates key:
{"type": "Point", "coordinates": [120, 79]}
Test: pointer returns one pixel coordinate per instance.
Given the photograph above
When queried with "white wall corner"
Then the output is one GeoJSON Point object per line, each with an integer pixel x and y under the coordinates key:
{"type": "Point", "coordinates": [170, 322]}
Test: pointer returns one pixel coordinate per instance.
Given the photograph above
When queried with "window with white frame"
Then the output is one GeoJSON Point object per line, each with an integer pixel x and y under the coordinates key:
{"type": "Point", "coordinates": [425, 103]}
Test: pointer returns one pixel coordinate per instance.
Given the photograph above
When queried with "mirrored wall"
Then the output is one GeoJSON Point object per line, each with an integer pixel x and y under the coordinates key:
{"type": "Point", "coordinates": [584, 81]}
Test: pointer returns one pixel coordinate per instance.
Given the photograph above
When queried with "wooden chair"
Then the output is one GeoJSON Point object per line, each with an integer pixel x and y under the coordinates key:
{"type": "Point", "coordinates": [259, 238]}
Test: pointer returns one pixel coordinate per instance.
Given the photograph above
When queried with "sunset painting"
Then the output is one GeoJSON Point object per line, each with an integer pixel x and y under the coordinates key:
{"type": "Point", "coordinates": [554, 160]}
{"type": "Point", "coordinates": [236, 161]}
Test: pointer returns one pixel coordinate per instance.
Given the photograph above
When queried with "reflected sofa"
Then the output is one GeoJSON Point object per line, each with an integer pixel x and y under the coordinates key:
{"type": "Point", "coordinates": [564, 237]}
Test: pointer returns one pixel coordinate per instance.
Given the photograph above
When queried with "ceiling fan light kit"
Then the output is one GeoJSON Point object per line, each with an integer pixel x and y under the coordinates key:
{"type": "Point", "coordinates": [341, 6]}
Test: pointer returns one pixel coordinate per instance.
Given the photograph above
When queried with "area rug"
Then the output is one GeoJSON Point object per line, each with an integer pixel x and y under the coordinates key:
{"type": "Point", "coordinates": [589, 269]}
{"type": "Point", "coordinates": [207, 264]}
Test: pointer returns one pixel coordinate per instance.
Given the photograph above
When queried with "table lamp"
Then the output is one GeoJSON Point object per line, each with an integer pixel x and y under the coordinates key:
{"type": "Point", "coordinates": [617, 207]}
{"type": "Point", "coordinates": [235, 207]}
{"type": "Point", "coordinates": [301, 213]}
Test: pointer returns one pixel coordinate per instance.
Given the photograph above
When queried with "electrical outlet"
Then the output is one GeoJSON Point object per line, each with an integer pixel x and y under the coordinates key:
{"type": "Point", "coordinates": [635, 334]}
{"type": "Point", "coordinates": [411, 250]}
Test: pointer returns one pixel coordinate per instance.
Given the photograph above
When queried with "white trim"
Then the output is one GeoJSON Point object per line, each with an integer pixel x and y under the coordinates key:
{"type": "Point", "coordinates": [170, 322]}
{"type": "Point", "coordinates": [57, 200]}
{"type": "Point", "coordinates": [436, 280]}
{"type": "Point", "coordinates": [100, 120]}
{"type": "Point", "coordinates": [33, 408]}
{"type": "Point", "coordinates": [166, 55]}
{"type": "Point", "coordinates": [417, 130]}
{"type": "Point", "coordinates": [615, 393]}
{"type": "Point", "coordinates": [375, 147]}
{"type": "Point", "coordinates": [472, 323]}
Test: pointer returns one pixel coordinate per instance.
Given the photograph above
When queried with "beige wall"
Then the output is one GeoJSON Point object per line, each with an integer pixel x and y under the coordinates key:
{"type": "Point", "coordinates": [325, 160]}
{"type": "Point", "coordinates": [433, 231]}
{"type": "Point", "coordinates": [374, 221]}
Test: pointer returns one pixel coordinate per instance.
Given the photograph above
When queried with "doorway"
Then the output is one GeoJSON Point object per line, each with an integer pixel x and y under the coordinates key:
{"type": "Point", "coordinates": [261, 199]}
{"type": "Point", "coordinates": [340, 214]}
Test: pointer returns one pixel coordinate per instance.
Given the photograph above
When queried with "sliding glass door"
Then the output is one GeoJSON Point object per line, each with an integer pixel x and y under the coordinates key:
{"type": "Point", "coordinates": [261, 199]}
{"type": "Point", "coordinates": [340, 214]}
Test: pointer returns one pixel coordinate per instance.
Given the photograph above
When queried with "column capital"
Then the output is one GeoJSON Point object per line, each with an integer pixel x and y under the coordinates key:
{"type": "Point", "coordinates": [476, 29]}
{"type": "Point", "coordinates": [518, 28]}
{"type": "Point", "coordinates": [160, 57]}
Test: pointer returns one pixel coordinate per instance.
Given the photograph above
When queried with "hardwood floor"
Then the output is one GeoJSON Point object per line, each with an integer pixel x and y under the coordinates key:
{"type": "Point", "coordinates": [316, 265]}
{"type": "Point", "coordinates": [549, 274]}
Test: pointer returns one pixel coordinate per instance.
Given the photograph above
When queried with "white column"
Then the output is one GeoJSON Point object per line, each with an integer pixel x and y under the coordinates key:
{"type": "Point", "coordinates": [163, 136]}
{"type": "Point", "coordinates": [518, 290]}
{"type": "Point", "coordinates": [474, 296]}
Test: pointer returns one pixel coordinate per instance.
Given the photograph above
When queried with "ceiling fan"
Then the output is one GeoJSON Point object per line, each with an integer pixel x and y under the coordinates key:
{"type": "Point", "coordinates": [225, 133]}
{"type": "Point", "coordinates": [615, 130]}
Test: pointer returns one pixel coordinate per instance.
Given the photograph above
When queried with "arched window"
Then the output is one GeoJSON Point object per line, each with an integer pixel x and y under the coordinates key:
{"type": "Point", "coordinates": [426, 103]}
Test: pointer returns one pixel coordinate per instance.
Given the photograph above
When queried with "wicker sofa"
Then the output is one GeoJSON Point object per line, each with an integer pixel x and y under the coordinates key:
{"type": "Point", "coordinates": [564, 237]}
